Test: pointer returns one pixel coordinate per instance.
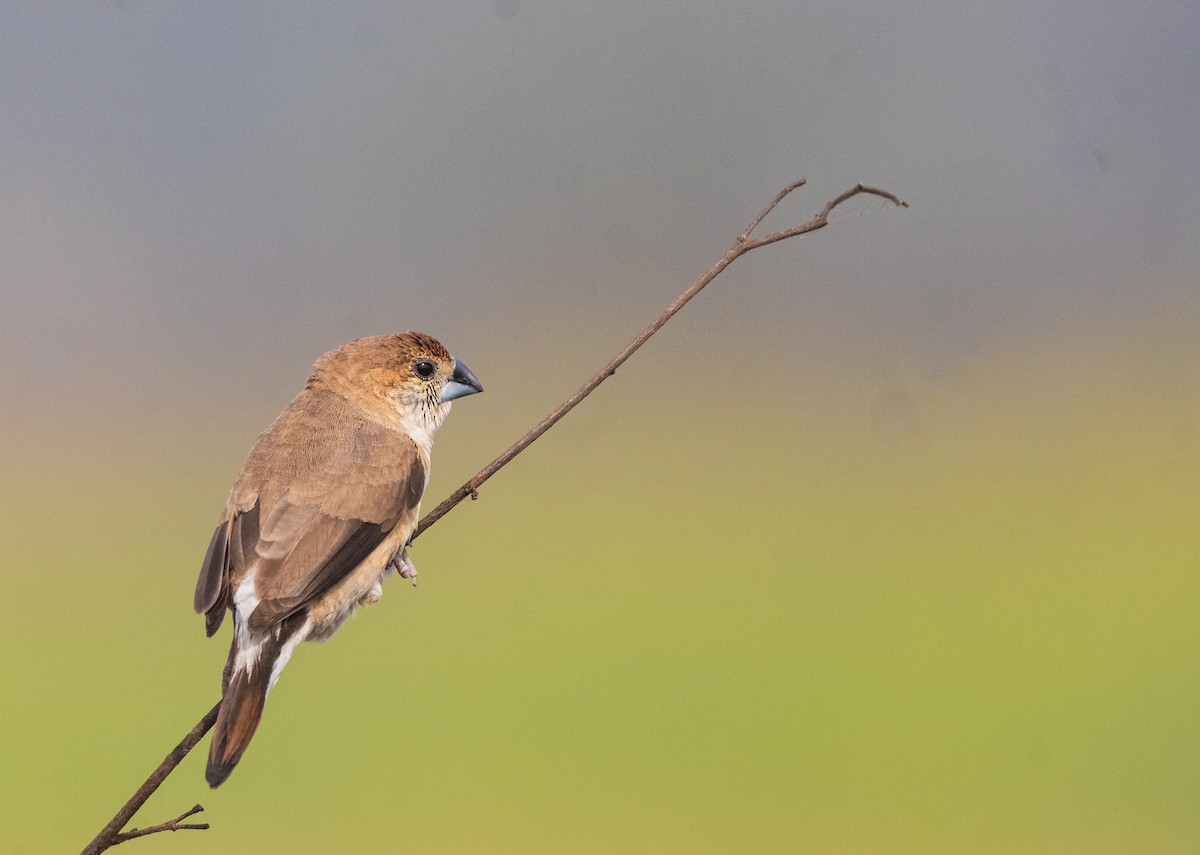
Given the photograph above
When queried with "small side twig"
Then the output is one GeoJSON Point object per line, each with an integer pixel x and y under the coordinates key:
{"type": "Point", "coordinates": [175, 824]}
{"type": "Point", "coordinates": [111, 835]}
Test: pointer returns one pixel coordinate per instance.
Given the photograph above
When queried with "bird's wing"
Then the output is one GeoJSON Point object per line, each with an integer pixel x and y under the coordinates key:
{"type": "Point", "coordinates": [303, 520]}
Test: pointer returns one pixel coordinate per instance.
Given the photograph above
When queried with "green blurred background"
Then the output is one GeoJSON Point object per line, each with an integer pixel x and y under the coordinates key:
{"type": "Point", "coordinates": [888, 543]}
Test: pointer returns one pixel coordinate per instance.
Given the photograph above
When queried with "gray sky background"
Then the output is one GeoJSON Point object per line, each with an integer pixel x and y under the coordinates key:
{"type": "Point", "coordinates": [206, 196]}
{"type": "Point", "coordinates": [887, 543]}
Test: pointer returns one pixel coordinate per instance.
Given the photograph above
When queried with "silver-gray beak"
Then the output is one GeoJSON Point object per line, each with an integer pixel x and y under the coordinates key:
{"type": "Point", "coordinates": [462, 383]}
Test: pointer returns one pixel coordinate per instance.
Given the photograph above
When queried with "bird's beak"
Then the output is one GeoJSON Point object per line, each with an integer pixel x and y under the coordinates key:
{"type": "Point", "coordinates": [462, 383]}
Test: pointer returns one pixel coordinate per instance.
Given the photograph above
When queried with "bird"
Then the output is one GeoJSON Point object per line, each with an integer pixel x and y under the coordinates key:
{"type": "Point", "coordinates": [321, 511]}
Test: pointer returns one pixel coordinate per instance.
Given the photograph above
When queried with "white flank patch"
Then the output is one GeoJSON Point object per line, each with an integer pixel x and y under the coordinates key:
{"type": "Point", "coordinates": [250, 644]}
{"type": "Point", "coordinates": [245, 601]}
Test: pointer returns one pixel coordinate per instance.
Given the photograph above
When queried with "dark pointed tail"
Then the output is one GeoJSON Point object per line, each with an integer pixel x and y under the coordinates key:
{"type": "Point", "coordinates": [241, 709]}
{"type": "Point", "coordinates": [245, 692]}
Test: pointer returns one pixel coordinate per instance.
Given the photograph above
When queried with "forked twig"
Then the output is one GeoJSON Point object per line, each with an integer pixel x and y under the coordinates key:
{"type": "Point", "coordinates": [111, 835]}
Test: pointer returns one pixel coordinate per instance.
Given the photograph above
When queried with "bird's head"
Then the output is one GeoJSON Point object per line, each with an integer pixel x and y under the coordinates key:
{"type": "Point", "coordinates": [408, 379]}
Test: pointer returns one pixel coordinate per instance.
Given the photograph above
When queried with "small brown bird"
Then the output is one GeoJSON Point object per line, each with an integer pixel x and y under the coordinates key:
{"type": "Point", "coordinates": [320, 512]}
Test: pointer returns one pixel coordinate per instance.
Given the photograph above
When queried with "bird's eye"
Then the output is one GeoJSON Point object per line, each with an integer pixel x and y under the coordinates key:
{"type": "Point", "coordinates": [424, 368]}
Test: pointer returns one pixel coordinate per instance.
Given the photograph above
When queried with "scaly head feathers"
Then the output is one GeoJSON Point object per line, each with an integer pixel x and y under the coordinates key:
{"type": "Point", "coordinates": [406, 380]}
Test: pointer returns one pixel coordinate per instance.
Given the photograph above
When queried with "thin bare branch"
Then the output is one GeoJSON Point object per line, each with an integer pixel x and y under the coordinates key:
{"type": "Point", "coordinates": [742, 245]}
{"type": "Point", "coordinates": [111, 835]}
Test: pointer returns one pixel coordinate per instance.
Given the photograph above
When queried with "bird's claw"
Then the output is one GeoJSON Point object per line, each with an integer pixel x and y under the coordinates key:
{"type": "Point", "coordinates": [404, 567]}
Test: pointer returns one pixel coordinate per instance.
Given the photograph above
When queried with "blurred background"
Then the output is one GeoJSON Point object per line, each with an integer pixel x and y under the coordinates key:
{"type": "Point", "coordinates": [888, 543]}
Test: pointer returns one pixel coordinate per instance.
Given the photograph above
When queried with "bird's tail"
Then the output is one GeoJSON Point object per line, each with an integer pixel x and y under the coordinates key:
{"type": "Point", "coordinates": [255, 660]}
